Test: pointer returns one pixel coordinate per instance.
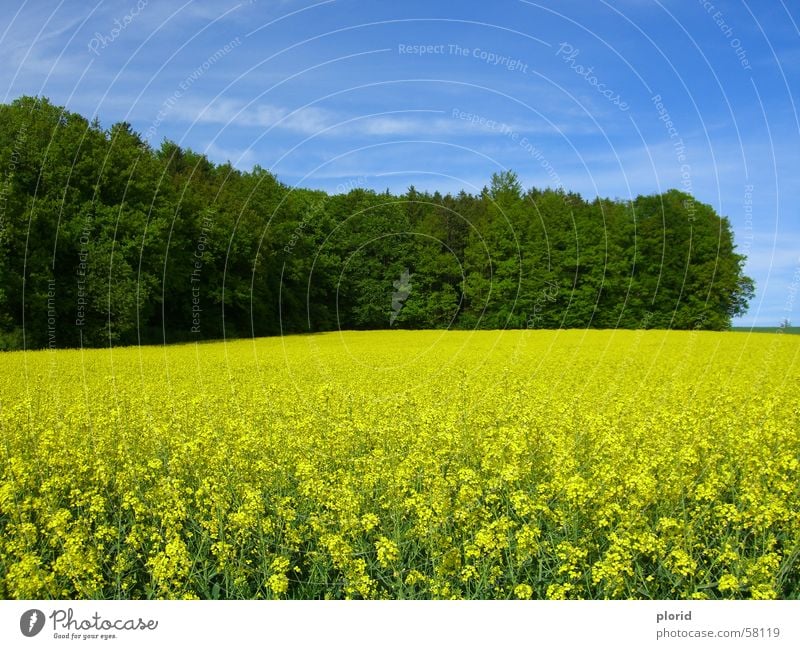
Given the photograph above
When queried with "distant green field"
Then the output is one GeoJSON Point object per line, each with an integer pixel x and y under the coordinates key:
{"type": "Point", "coordinates": [768, 330]}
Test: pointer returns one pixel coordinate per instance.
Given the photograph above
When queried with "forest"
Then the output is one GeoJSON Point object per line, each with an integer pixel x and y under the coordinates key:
{"type": "Point", "coordinates": [107, 240]}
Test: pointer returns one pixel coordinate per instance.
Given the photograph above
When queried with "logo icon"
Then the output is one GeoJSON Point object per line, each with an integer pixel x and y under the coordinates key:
{"type": "Point", "coordinates": [31, 622]}
{"type": "Point", "coordinates": [403, 286]}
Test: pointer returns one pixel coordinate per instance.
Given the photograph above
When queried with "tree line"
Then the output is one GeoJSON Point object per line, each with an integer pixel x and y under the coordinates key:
{"type": "Point", "coordinates": [105, 239]}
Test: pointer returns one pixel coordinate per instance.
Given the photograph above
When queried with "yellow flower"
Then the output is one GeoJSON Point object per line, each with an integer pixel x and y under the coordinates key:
{"type": "Point", "coordinates": [403, 464]}
{"type": "Point", "coordinates": [369, 522]}
{"type": "Point", "coordinates": [388, 552]}
{"type": "Point", "coordinates": [278, 582]}
{"type": "Point", "coordinates": [728, 583]}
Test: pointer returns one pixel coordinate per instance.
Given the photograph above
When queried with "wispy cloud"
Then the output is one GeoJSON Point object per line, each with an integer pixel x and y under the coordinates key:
{"type": "Point", "coordinates": [315, 120]}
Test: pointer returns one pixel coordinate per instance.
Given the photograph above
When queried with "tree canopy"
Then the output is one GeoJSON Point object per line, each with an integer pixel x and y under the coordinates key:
{"type": "Point", "coordinates": [107, 240]}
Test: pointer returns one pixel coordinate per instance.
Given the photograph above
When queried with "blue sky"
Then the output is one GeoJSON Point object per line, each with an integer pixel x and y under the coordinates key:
{"type": "Point", "coordinates": [605, 98]}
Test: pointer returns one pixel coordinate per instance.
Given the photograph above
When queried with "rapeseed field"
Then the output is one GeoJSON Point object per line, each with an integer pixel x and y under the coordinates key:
{"type": "Point", "coordinates": [519, 464]}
